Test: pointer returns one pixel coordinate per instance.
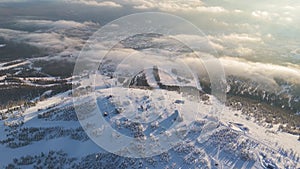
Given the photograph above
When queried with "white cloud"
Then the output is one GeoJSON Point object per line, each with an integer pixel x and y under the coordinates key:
{"type": "Point", "coordinates": [240, 38]}
{"type": "Point", "coordinates": [235, 41]}
{"type": "Point", "coordinates": [176, 6]}
{"type": "Point", "coordinates": [243, 51]}
{"type": "Point", "coordinates": [59, 37]}
{"type": "Point", "coordinates": [288, 7]}
{"type": "Point", "coordinates": [288, 19]}
{"type": "Point", "coordinates": [237, 11]}
{"type": "Point", "coordinates": [260, 72]}
{"type": "Point", "coordinates": [97, 3]}
{"type": "Point", "coordinates": [285, 16]}
{"type": "Point", "coordinates": [239, 45]}
{"type": "Point", "coordinates": [199, 42]}
{"type": "Point", "coordinates": [54, 41]}
{"type": "Point", "coordinates": [60, 24]}
{"type": "Point", "coordinates": [261, 14]}
{"type": "Point", "coordinates": [213, 9]}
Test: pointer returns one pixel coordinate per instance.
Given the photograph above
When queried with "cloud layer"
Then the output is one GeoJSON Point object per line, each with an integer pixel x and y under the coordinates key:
{"type": "Point", "coordinates": [96, 3]}
{"type": "Point", "coordinates": [256, 34]}
{"type": "Point", "coordinates": [60, 37]}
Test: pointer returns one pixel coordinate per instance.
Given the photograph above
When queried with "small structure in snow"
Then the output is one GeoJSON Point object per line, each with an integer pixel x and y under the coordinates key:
{"type": "Point", "coordinates": [179, 118]}
{"type": "Point", "coordinates": [105, 114]}
{"type": "Point", "coordinates": [179, 101]}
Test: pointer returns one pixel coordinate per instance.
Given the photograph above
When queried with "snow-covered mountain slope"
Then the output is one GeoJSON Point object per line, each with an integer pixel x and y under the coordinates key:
{"type": "Point", "coordinates": [146, 103]}
{"type": "Point", "coordinates": [48, 134]}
